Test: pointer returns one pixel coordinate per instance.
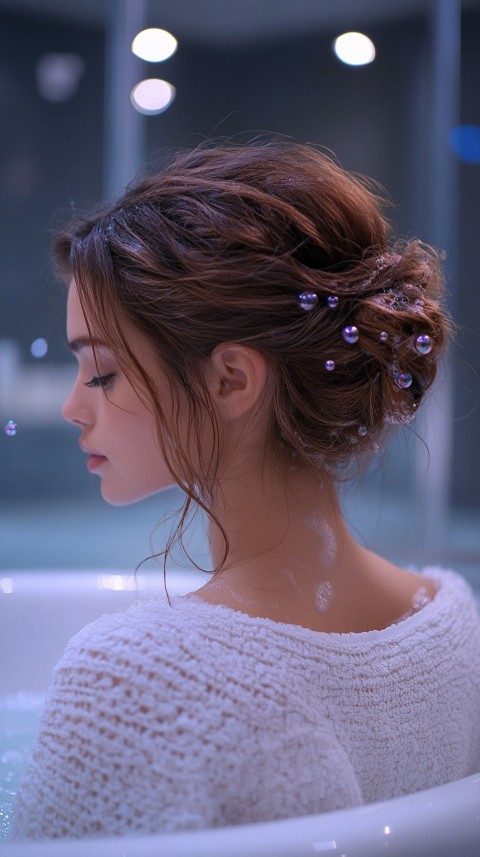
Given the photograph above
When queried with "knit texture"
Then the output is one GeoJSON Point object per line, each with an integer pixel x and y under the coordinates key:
{"type": "Point", "coordinates": [167, 718]}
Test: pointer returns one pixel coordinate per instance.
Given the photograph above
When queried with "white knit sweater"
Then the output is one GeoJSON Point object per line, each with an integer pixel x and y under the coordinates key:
{"type": "Point", "coordinates": [167, 718]}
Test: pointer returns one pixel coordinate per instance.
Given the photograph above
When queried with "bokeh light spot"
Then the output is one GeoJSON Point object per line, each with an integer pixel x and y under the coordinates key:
{"type": "Point", "coordinates": [465, 142]}
{"type": "Point", "coordinates": [39, 348]}
{"type": "Point", "coordinates": [11, 428]}
{"type": "Point", "coordinates": [152, 96]}
{"type": "Point", "coordinates": [154, 45]}
{"type": "Point", "coordinates": [58, 75]}
{"type": "Point", "coordinates": [354, 49]}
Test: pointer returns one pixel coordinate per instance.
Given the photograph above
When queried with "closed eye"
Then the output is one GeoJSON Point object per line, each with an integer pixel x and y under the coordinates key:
{"type": "Point", "coordinates": [101, 381]}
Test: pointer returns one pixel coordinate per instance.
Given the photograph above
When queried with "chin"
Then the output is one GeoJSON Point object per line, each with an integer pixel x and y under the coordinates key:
{"type": "Point", "coordinates": [129, 497]}
{"type": "Point", "coordinates": [121, 501]}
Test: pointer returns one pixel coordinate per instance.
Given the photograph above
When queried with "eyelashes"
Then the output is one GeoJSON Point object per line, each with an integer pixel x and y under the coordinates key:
{"type": "Point", "coordinates": [101, 381]}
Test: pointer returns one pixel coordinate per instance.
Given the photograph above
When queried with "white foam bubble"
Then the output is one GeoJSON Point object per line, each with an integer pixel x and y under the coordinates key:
{"type": "Point", "coordinates": [323, 596]}
{"type": "Point", "coordinates": [289, 574]}
{"type": "Point", "coordinates": [420, 598]}
{"type": "Point", "coordinates": [324, 530]}
{"type": "Point", "coordinates": [222, 587]}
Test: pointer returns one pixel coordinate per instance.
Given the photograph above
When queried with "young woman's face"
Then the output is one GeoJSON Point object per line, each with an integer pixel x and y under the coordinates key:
{"type": "Point", "coordinates": [117, 429]}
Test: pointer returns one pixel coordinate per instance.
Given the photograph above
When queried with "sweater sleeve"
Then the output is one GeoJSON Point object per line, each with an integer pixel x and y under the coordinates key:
{"type": "Point", "coordinates": [153, 726]}
{"type": "Point", "coordinates": [116, 751]}
{"type": "Point", "coordinates": [289, 773]}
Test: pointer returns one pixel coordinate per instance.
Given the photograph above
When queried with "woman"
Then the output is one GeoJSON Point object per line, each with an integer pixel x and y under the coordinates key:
{"type": "Point", "coordinates": [245, 328]}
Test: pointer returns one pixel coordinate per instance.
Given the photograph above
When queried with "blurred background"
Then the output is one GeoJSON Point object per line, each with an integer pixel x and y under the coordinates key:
{"type": "Point", "coordinates": [76, 127]}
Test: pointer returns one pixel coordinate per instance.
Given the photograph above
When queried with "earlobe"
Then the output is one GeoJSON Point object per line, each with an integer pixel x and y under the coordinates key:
{"type": "Point", "coordinates": [236, 378]}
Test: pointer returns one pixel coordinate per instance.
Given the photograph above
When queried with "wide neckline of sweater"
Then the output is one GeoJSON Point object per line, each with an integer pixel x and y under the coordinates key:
{"type": "Point", "coordinates": [446, 579]}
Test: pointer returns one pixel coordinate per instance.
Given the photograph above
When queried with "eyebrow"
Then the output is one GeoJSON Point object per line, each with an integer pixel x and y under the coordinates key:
{"type": "Point", "coordinates": [80, 342]}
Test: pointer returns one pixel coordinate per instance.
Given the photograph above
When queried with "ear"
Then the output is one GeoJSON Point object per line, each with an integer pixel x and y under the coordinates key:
{"type": "Point", "coordinates": [236, 376]}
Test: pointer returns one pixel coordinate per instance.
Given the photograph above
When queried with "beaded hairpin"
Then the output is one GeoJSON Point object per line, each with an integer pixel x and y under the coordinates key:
{"type": "Point", "coordinates": [423, 345]}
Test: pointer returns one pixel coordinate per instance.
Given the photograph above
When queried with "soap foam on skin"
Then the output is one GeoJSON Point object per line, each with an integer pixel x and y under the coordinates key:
{"type": "Point", "coordinates": [293, 579]}
{"type": "Point", "coordinates": [323, 596]}
{"type": "Point", "coordinates": [420, 598]}
{"type": "Point", "coordinates": [222, 587]}
{"type": "Point", "coordinates": [289, 574]}
{"type": "Point", "coordinates": [328, 538]}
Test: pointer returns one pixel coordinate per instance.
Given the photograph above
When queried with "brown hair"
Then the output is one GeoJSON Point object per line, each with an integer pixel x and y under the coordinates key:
{"type": "Point", "coordinates": [217, 247]}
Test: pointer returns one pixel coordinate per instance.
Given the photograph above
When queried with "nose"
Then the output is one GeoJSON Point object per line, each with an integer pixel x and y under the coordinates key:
{"type": "Point", "coordinates": [75, 410]}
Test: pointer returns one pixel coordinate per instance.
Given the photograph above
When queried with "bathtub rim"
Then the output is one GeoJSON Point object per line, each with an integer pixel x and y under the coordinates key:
{"type": "Point", "coordinates": [433, 819]}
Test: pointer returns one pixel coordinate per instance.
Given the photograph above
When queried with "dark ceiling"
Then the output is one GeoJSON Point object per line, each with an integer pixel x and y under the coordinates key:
{"type": "Point", "coordinates": [236, 21]}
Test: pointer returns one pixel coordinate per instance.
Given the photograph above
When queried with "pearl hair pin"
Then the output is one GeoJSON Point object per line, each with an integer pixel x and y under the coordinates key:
{"type": "Point", "coordinates": [350, 334]}
{"type": "Point", "coordinates": [423, 344]}
{"type": "Point", "coordinates": [403, 380]}
{"type": "Point", "coordinates": [307, 300]}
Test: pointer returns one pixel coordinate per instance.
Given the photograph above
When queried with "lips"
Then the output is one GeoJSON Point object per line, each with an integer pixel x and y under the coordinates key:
{"type": "Point", "coordinates": [89, 451]}
{"type": "Point", "coordinates": [95, 461]}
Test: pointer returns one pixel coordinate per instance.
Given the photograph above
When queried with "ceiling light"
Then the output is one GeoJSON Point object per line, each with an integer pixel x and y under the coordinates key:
{"type": "Point", "coordinates": [154, 45]}
{"type": "Point", "coordinates": [354, 49]}
{"type": "Point", "coordinates": [152, 96]}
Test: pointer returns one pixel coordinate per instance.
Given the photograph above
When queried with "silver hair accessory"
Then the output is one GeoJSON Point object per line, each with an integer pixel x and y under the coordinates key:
{"type": "Point", "coordinates": [387, 260]}
{"type": "Point", "coordinates": [362, 431]}
{"type": "Point", "coordinates": [307, 300]}
{"type": "Point", "coordinates": [384, 336]}
{"type": "Point", "coordinates": [330, 365]}
{"type": "Point", "coordinates": [392, 299]}
{"type": "Point", "coordinates": [350, 334]}
{"type": "Point", "coordinates": [423, 344]}
{"type": "Point", "coordinates": [401, 416]}
{"type": "Point", "coordinates": [332, 301]}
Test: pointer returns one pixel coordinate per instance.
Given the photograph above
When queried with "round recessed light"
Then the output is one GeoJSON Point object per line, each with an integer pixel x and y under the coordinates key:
{"type": "Point", "coordinates": [154, 45]}
{"type": "Point", "coordinates": [152, 96]}
{"type": "Point", "coordinates": [354, 49]}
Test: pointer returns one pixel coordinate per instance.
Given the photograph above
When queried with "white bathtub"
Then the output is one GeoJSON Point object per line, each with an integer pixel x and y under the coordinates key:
{"type": "Point", "coordinates": [40, 611]}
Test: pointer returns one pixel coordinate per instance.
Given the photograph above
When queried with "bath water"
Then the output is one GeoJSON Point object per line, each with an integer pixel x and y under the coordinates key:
{"type": "Point", "coordinates": [19, 722]}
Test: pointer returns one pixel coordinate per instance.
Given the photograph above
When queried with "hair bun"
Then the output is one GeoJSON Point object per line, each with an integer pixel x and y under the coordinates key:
{"type": "Point", "coordinates": [404, 328]}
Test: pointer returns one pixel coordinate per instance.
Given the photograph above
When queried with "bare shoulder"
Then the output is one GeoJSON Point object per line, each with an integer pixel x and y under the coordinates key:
{"type": "Point", "coordinates": [400, 580]}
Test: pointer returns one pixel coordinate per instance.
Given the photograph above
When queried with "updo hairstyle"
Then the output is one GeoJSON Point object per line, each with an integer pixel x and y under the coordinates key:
{"type": "Point", "coordinates": [275, 246]}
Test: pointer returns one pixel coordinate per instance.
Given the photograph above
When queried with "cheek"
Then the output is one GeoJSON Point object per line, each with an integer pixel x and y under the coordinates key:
{"type": "Point", "coordinates": [135, 470]}
{"type": "Point", "coordinates": [136, 438]}
{"type": "Point", "coordinates": [128, 431]}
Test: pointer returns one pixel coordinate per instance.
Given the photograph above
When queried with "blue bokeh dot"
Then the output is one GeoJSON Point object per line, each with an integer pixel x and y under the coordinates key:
{"type": "Point", "coordinates": [465, 142]}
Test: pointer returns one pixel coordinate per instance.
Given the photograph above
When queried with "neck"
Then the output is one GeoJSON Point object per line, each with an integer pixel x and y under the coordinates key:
{"type": "Point", "coordinates": [280, 520]}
